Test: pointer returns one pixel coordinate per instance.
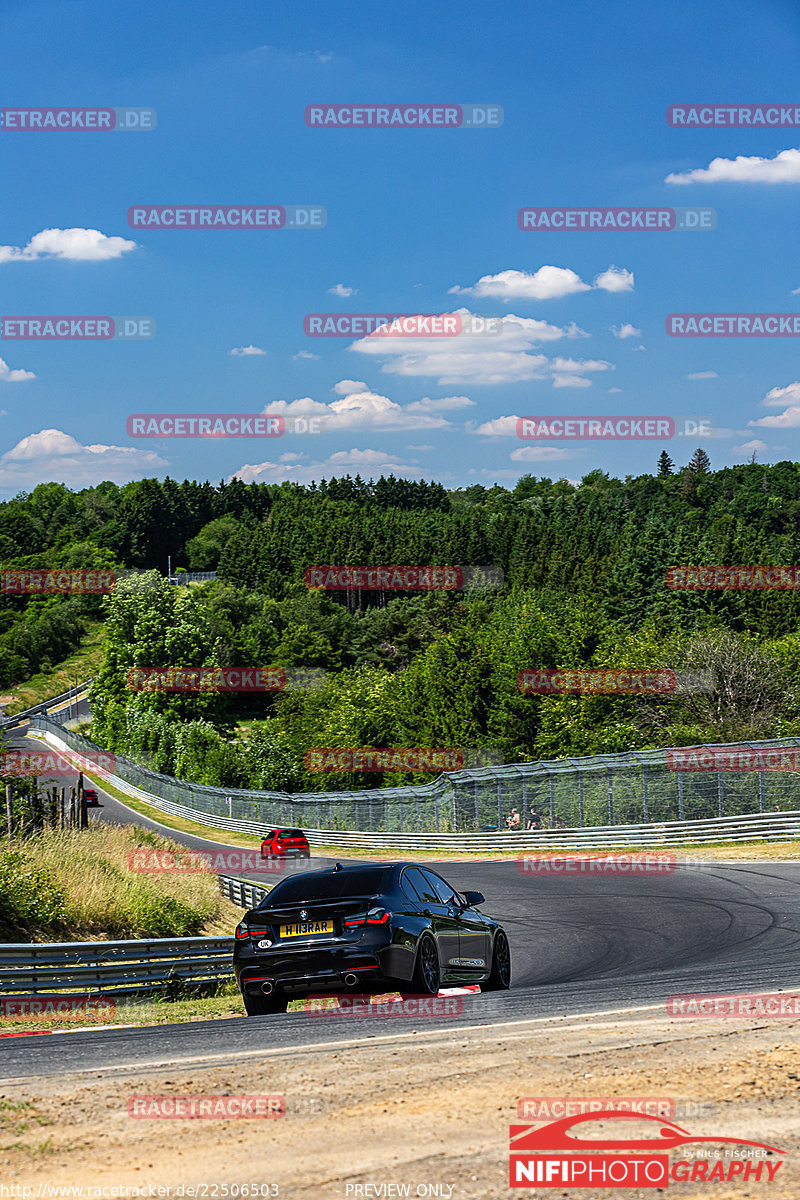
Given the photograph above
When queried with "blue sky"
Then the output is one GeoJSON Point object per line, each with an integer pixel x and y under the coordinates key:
{"type": "Point", "coordinates": [411, 216]}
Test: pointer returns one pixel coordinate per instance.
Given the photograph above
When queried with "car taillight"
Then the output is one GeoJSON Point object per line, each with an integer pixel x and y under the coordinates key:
{"type": "Point", "coordinates": [241, 932]}
{"type": "Point", "coordinates": [375, 916]}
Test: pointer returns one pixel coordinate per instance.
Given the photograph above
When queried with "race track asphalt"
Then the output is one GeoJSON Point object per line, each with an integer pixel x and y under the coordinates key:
{"type": "Point", "coordinates": [580, 943]}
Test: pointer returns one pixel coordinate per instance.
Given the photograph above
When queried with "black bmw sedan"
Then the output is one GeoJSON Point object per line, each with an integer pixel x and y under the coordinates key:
{"type": "Point", "coordinates": [395, 925]}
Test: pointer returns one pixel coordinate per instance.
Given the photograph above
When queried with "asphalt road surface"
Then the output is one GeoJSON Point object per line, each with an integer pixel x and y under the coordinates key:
{"type": "Point", "coordinates": [579, 944]}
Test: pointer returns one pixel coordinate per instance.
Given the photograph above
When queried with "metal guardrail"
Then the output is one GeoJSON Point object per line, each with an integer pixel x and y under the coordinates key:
{"type": "Point", "coordinates": [70, 694]}
{"type": "Point", "coordinates": [242, 891]}
{"type": "Point", "coordinates": [125, 967]}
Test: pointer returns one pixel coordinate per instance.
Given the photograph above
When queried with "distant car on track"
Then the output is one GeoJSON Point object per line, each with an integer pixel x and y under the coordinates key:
{"type": "Point", "coordinates": [282, 843]}
{"type": "Point", "coordinates": [91, 797]}
{"type": "Point", "coordinates": [395, 925]}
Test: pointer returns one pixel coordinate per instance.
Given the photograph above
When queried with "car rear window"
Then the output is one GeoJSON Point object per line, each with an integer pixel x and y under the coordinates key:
{"type": "Point", "coordinates": [290, 833]}
{"type": "Point", "coordinates": [327, 885]}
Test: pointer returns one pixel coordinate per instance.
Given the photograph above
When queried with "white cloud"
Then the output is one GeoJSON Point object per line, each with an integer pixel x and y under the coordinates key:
{"type": "Point", "coordinates": [625, 331]}
{"type": "Point", "coordinates": [52, 454]}
{"type": "Point", "coordinates": [305, 354]}
{"type": "Point", "coordinates": [363, 410]}
{"type": "Point", "coordinates": [419, 449]}
{"type": "Point", "coordinates": [346, 387]}
{"type": "Point", "coordinates": [783, 168]}
{"type": "Point", "coordinates": [497, 427]}
{"type": "Point", "coordinates": [503, 357]}
{"type": "Point", "coordinates": [15, 376]}
{"type": "Point", "coordinates": [777, 396]}
{"type": "Point", "coordinates": [548, 283]}
{"type": "Point", "coordinates": [795, 291]}
{"type": "Point", "coordinates": [76, 245]}
{"type": "Point", "coordinates": [246, 350]}
{"type": "Point", "coordinates": [703, 375]}
{"type": "Point", "coordinates": [440, 404]}
{"type": "Point", "coordinates": [748, 448]}
{"type": "Point", "coordinates": [576, 381]}
{"type": "Point", "coordinates": [615, 279]}
{"type": "Point", "coordinates": [343, 462]}
{"type": "Point", "coordinates": [341, 289]}
{"type": "Point", "coordinates": [611, 391]}
{"type": "Point", "coordinates": [788, 419]}
{"type": "Point", "coordinates": [540, 454]}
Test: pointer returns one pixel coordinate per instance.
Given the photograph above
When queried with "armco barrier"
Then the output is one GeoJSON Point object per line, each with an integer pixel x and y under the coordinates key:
{"type": "Point", "coordinates": [123, 968]}
{"type": "Point", "coordinates": [75, 693]}
{"type": "Point", "coordinates": [242, 891]}
{"type": "Point", "coordinates": [772, 826]}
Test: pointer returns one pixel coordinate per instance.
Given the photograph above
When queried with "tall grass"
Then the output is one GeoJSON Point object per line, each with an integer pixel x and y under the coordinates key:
{"type": "Point", "coordinates": [72, 885]}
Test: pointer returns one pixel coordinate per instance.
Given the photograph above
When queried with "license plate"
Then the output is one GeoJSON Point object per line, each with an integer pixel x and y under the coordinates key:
{"type": "Point", "coordinates": [306, 929]}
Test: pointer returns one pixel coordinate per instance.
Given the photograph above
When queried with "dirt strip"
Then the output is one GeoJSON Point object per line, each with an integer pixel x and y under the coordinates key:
{"type": "Point", "coordinates": [430, 1111]}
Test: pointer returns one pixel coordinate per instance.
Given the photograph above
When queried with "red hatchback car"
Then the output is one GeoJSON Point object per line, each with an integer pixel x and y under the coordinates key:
{"type": "Point", "coordinates": [281, 843]}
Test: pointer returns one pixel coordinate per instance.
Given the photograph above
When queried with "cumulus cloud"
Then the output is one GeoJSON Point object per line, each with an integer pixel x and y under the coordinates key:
{"type": "Point", "coordinates": [246, 350]}
{"type": "Point", "coordinates": [502, 357]}
{"type": "Point", "coordinates": [53, 454]}
{"type": "Point", "coordinates": [341, 289]}
{"type": "Point", "coordinates": [625, 331]}
{"type": "Point", "coordinates": [343, 462]}
{"type": "Point", "coordinates": [497, 427]}
{"type": "Point", "coordinates": [615, 279]}
{"type": "Point", "coordinates": [548, 283]}
{"type": "Point", "coordinates": [611, 391]}
{"type": "Point", "coordinates": [703, 375]}
{"type": "Point", "coordinates": [369, 410]}
{"type": "Point", "coordinates": [749, 448]}
{"type": "Point", "coordinates": [345, 387]}
{"type": "Point", "coordinates": [305, 354]}
{"type": "Point", "coordinates": [788, 419]}
{"type": "Point", "coordinates": [783, 168]}
{"type": "Point", "coordinates": [76, 245]}
{"type": "Point", "coordinates": [777, 396]}
{"type": "Point", "coordinates": [15, 376]}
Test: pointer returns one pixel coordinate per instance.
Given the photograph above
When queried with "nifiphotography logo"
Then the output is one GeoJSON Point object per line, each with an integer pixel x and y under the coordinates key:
{"type": "Point", "coordinates": [556, 1156]}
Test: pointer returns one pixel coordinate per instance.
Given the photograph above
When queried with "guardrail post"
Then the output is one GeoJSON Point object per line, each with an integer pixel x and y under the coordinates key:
{"type": "Point", "coordinates": [680, 795]}
{"type": "Point", "coordinates": [580, 797]}
{"type": "Point", "coordinates": [646, 813]}
{"type": "Point", "coordinates": [720, 795]}
{"type": "Point", "coordinates": [610, 797]}
{"type": "Point", "coordinates": [499, 805]}
{"type": "Point", "coordinates": [552, 800]}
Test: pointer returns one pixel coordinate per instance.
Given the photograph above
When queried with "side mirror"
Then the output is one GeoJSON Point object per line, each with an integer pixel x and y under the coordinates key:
{"type": "Point", "coordinates": [473, 898]}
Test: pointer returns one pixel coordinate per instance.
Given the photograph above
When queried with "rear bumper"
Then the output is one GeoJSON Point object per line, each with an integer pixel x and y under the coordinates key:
{"type": "Point", "coordinates": [311, 971]}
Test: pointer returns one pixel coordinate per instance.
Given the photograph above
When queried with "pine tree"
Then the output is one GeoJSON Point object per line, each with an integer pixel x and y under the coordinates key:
{"type": "Point", "coordinates": [665, 464]}
{"type": "Point", "coordinates": [700, 463]}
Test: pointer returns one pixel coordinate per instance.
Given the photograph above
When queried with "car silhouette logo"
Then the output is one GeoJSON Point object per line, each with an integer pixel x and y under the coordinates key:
{"type": "Point", "coordinates": [557, 1136]}
{"type": "Point", "coordinates": [303, 914]}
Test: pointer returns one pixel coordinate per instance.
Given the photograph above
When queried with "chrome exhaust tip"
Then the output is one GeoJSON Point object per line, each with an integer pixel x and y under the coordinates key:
{"type": "Point", "coordinates": [350, 979]}
{"type": "Point", "coordinates": [267, 988]}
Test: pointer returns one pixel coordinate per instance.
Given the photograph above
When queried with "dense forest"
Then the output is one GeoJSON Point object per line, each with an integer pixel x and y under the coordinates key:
{"type": "Point", "coordinates": [584, 569]}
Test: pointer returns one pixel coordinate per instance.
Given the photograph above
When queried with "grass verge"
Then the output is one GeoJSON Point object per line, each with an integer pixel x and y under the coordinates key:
{"type": "Point", "coordinates": [81, 664]}
{"type": "Point", "coordinates": [71, 885]}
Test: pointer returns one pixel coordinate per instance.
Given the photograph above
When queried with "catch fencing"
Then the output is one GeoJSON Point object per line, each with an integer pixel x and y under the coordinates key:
{"type": "Point", "coordinates": [614, 792]}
